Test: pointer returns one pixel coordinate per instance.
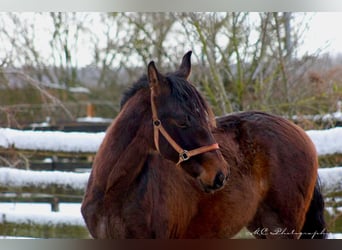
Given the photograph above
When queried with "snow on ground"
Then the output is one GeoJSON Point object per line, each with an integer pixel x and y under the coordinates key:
{"type": "Point", "coordinates": [69, 215]}
{"type": "Point", "coordinates": [333, 210]}
{"type": "Point", "coordinates": [326, 141]}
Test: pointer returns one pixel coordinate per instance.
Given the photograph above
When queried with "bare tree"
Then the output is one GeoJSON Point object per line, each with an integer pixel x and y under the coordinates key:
{"type": "Point", "coordinates": [241, 60]}
{"type": "Point", "coordinates": [249, 57]}
{"type": "Point", "coordinates": [24, 61]}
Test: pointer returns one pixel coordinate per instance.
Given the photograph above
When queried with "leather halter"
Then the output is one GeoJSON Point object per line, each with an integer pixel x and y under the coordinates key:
{"type": "Point", "coordinates": [184, 155]}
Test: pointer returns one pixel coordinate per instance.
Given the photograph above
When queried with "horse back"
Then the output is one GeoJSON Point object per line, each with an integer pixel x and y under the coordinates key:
{"type": "Point", "coordinates": [257, 132]}
{"type": "Point", "coordinates": [279, 158]}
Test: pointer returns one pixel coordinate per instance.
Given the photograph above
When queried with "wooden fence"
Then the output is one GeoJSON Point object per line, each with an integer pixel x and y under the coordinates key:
{"type": "Point", "coordinates": [57, 187]}
{"type": "Point", "coordinates": [52, 187]}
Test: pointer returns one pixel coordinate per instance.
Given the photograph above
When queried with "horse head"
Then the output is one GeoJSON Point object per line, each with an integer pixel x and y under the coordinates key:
{"type": "Point", "coordinates": [182, 126]}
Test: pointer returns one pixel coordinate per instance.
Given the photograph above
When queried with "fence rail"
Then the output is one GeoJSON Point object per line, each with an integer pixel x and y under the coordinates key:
{"type": "Point", "coordinates": [64, 184]}
{"type": "Point", "coordinates": [49, 186]}
{"type": "Point", "coordinates": [88, 143]}
{"type": "Point", "coordinates": [44, 186]}
{"type": "Point", "coordinates": [72, 151]}
{"type": "Point", "coordinates": [56, 187]}
{"type": "Point", "coordinates": [52, 187]}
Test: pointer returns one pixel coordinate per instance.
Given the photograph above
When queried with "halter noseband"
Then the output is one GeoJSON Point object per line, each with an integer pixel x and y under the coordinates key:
{"type": "Point", "coordinates": [184, 155]}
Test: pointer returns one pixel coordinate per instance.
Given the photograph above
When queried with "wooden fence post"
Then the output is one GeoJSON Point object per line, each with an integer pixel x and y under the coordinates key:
{"type": "Point", "coordinates": [90, 110]}
{"type": "Point", "coordinates": [55, 204]}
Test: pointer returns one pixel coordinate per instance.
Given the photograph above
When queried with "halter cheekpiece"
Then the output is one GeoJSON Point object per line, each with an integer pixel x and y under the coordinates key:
{"type": "Point", "coordinates": [184, 155]}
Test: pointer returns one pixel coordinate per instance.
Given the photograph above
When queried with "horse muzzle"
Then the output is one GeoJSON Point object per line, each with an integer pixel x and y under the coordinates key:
{"type": "Point", "coordinates": [218, 183]}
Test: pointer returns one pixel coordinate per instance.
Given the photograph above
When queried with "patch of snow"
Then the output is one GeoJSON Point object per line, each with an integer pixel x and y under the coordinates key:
{"type": "Point", "coordinates": [15, 237]}
{"type": "Point", "coordinates": [42, 124]}
{"type": "Point", "coordinates": [336, 116]}
{"type": "Point", "coordinates": [334, 211]}
{"type": "Point", "coordinates": [335, 236]}
{"type": "Point", "coordinates": [327, 141]}
{"type": "Point", "coordinates": [48, 160]}
{"type": "Point", "coordinates": [40, 213]}
{"type": "Point", "coordinates": [39, 125]}
{"type": "Point", "coordinates": [331, 179]}
{"type": "Point", "coordinates": [20, 178]}
{"type": "Point", "coordinates": [56, 141]}
{"type": "Point", "coordinates": [50, 218]}
{"type": "Point", "coordinates": [82, 90]}
{"type": "Point", "coordinates": [78, 89]}
{"type": "Point", "coordinates": [94, 119]}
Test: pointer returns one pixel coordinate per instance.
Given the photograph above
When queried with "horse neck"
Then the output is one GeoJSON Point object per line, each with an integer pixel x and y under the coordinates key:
{"type": "Point", "coordinates": [125, 147]}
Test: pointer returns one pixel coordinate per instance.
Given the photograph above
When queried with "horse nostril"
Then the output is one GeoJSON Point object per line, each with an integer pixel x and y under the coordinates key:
{"type": "Point", "coordinates": [219, 180]}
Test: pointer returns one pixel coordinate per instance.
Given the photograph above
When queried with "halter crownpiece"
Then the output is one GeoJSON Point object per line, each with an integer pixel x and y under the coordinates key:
{"type": "Point", "coordinates": [184, 155]}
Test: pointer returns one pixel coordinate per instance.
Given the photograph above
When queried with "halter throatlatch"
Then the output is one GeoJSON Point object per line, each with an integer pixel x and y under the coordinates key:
{"type": "Point", "coordinates": [184, 155]}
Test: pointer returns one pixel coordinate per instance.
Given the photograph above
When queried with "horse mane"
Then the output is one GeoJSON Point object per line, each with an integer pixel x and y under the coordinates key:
{"type": "Point", "coordinates": [181, 90]}
{"type": "Point", "coordinates": [142, 83]}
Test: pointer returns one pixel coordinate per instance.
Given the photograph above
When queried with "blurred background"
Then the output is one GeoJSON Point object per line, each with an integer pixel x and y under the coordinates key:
{"type": "Point", "coordinates": [55, 65]}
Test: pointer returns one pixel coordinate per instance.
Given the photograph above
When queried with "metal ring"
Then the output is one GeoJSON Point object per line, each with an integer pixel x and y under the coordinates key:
{"type": "Point", "coordinates": [157, 123]}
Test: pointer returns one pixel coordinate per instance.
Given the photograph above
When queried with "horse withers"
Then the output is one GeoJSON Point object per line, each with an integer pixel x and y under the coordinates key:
{"type": "Point", "coordinates": [168, 169]}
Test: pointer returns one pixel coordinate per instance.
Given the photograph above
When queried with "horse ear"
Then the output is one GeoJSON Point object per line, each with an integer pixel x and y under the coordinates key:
{"type": "Point", "coordinates": [185, 67]}
{"type": "Point", "coordinates": [155, 79]}
{"type": "Point", "coordinates": [153, 75]}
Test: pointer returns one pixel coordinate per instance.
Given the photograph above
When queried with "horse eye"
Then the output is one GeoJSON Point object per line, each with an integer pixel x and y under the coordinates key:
{"type": "Point", "coordinates": [182, 125]}
{"type": "Point", "coordinates": [178, 123]}
{"type": "Point", "coordinates": [181, 121]}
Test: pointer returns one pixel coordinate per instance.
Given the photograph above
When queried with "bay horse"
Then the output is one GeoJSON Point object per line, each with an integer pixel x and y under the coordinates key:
{"type": "Point", "coordinates": [167, 168]}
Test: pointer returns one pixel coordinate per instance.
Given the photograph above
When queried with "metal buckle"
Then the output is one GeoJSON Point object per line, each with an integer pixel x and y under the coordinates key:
{"type": "Point", "coordinates": [157, 123]}
{"type": "Point", "coordinates": [184, 155]}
